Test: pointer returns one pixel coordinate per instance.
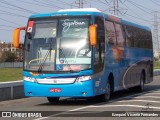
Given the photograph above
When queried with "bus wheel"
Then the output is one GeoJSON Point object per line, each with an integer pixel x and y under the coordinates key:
{"type": "Point", "coordinates": [140, 88]}
{"type": "Point", "coordinates": [53, 99]}
{"type": "Point", "coordinates": [105, 97]}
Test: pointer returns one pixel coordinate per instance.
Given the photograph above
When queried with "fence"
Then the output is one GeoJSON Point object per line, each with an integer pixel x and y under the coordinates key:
{"type": "Point", "coordinates": [11, 64]}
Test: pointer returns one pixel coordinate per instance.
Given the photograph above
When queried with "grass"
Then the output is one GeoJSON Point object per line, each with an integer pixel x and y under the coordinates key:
{"type": "Point", "coordinates": [14, 74]}
{"type": "Point", "coordinates": [156, 65]}
{"type": "Point", "coordinates": [10, 74]}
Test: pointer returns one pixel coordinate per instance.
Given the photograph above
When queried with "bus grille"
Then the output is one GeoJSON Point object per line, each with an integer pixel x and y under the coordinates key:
{"type": "Point", "coordinates": [56, 80]}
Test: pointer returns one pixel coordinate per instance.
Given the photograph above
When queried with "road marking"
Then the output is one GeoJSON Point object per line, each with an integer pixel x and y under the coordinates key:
{"type": "Point", "coordinates": [116, 100]}
{"type": "Point", "coordinates": [146, 97]}
{"type": "Point", "coordinates": [63, 112]}
{"type": "Point", "coordinates": [155, 93]}
{"type": "Point", "coordinates": [139, 101]}
{"type": "Point", "coordinates": [128, 105]}
{"type": "Point", "coordinates": [94, 106]}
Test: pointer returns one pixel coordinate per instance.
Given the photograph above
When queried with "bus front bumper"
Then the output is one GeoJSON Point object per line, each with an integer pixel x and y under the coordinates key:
{"type": "Point", "coordinates": [77, 89]}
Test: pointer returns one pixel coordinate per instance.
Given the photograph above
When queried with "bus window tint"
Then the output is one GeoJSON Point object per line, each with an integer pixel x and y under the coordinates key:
{"type": "Point", "coordinates": [119, 35]}
{"type": "Point", "coordinates": [141, 38]}
{"type": "Point", "coordinates": [130, 32]}
{"type": "Point", "coordinates": [100, 47]}
{"type": "Point", "coordinates": [110, 33]}
{"type": "Point", "coordinates": [45, 30]}
{"type": "Point", "coordinates": [138, 38]}
{"type": "Point", "coordinates": [149, 39]}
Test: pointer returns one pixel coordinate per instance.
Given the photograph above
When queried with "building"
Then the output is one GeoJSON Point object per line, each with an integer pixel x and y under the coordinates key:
{"type": "Point", "coordinates": [9, 47]}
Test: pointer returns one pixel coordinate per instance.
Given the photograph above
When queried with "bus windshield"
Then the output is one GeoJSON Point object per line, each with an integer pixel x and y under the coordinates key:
{"type": "Point", "coordinates": [60, 45]}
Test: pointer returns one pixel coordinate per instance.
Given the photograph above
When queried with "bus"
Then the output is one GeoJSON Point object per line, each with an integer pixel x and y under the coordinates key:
{"type": "Point", "coordinates": [84, 53]}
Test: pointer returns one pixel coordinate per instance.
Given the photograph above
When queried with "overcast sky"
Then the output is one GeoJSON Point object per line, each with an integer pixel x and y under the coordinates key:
{"type": "Point", "coordinates": [14, 13]}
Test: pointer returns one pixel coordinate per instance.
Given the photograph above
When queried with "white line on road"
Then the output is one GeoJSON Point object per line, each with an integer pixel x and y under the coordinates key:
{"type": "Point", "coordinates": [101, 106]}
{"type": "Point", "coordinates": [127, 105]}
{"type": "Point", "coordinates": [147, 92]}
{"type": "Point", "coordinates": [146, 97]}
{"type": "Point", "coordinates": [156, 91]}
{"type": "Point", "coordinates": [63, 112]}
{"type": "Point", "coordinates": [153, 93]}
{"type": "Point", "coordinates": [139, 101]}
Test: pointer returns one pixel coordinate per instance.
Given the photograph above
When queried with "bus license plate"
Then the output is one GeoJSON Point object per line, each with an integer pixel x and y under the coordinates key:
{"type": "Point", "coordinates": [55, 90]}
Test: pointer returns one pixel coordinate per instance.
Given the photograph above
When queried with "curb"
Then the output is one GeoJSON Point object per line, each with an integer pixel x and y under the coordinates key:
{"type": "Point", "coordinates": [15, 90]}
{"type": "Point", "coordinates": [11, 90]}
{"type": "Point", "coordinates": [157, 72]}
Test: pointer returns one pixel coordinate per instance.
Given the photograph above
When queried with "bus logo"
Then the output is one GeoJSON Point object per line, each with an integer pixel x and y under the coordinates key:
{"type": "Point", "coordinates": [55, 81]}
{"type": "Point", "coordinates": [61, 61]}
{"type": "Point", "coordinates": [29, 29]}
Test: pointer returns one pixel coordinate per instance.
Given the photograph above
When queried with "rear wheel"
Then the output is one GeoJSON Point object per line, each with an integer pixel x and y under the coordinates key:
{"type": "Point", "coordinates": [140, 88]}
{"type": "Point", "coordinates": [53, 99]}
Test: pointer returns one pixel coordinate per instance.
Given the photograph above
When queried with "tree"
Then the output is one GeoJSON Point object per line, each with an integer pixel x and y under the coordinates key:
{"type": "Point", "coordinates": [8, 56]}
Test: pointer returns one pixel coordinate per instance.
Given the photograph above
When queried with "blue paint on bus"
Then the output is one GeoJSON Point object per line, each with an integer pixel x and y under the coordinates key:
{"type": "Point", "coordinates": [123, 70]}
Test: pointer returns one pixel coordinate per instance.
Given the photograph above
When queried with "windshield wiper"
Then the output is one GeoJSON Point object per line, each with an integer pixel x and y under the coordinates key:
{"type": "Point", "coordinates": [63, 56]}
{"type": "Point", "coordinates": [45, 57]}
{"type": "Point", "coordinates": [44, 60]}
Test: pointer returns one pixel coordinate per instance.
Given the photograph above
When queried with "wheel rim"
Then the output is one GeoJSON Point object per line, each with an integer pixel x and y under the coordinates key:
{"type": "Point", "coordinates": [142, 82]}
{"type": "Point", "coordinates": [107, 95]}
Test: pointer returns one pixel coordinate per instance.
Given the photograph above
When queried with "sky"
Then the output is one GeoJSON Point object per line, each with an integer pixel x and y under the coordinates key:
{"type": "Point", "coordinates": [15, 13]}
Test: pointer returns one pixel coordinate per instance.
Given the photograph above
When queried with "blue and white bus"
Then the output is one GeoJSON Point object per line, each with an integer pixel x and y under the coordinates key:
{"type": "Point", "coordinates": [84, 53]}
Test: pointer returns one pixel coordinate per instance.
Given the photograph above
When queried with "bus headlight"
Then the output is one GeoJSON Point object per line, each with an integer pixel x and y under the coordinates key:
{"type": "Point", "coordinates": [30, 79]}
{"type": "Point", "coordinates": [83, 78]}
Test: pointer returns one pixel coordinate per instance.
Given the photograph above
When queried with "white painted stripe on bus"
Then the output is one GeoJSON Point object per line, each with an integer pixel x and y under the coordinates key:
{"type": "Point", "coordinates": [124, 86]}
{"type": "Point", "coordinates": [139, 101]}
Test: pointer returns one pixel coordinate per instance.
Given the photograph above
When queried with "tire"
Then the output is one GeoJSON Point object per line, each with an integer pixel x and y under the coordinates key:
{"type": "Point", "coordinates": [140, 88]}
{"type": "Point", "coordinates": [53, 99]}
{"type": "Point", "coordinates": [105, 97]}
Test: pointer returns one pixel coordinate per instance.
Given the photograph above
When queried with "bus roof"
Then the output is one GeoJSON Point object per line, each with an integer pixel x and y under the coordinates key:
{"type": "Point", "coordinates": [92, 12]}
{"type": "Point", "coordinates": [71, 12]}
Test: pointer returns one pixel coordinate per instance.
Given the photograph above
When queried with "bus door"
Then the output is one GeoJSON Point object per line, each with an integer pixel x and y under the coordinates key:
{"type": "Point", "coordinates": [99, 56]}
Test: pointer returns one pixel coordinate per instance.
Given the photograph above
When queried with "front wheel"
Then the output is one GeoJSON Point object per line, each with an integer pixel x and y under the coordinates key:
{"type": "Point", "coordinates": [106, 96]}
{"type": "Point", "coordinates": [53, 99]}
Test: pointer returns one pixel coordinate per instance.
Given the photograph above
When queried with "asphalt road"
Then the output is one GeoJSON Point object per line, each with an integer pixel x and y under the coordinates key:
{"type": "Point", "coordinates": [70, 108]}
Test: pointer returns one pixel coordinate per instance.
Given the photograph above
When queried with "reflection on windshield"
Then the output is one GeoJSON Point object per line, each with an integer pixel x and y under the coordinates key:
{"type": "Point", "coordinates": [75, 47]}
{"type": "Point", "coordinates": [75, 43]}
{"type": "Point", "coordinates": [45, 30]}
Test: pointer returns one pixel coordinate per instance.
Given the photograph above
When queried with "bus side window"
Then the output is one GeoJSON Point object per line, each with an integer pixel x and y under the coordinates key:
{"type": "Point", "coordinates": [130, 33]}
{"type": "Point", "coordinates": [110, 33]}
{"type": "Point", "coordinates": [142, 39]}
{"type": "Point", "coordinates": [119, 35]}
{"type": "Point", "coordinates": [100, 47]}
{"type": "Point", "coordinates": [149, 40]}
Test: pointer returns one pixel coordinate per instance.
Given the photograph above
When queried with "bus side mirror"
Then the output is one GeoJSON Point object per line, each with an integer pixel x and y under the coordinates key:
{"type": "Point", "coordinates": [16, 36]}
{"type": "Point", "coordinates": [93, 34]}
